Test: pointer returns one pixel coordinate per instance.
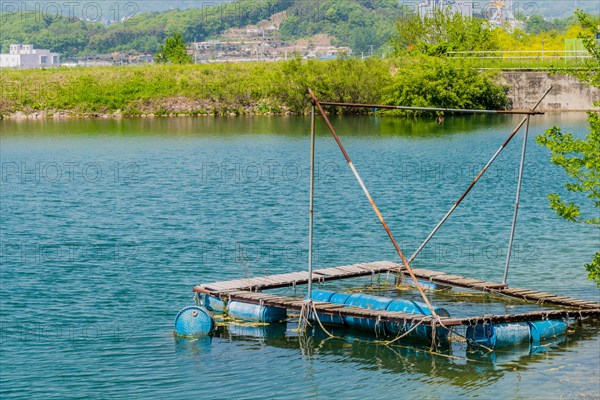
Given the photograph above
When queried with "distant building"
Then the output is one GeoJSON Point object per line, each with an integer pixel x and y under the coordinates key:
{"type": "Point", "coordinates": [25, 56]}
{"type": "Point", "coordinates": [500, 14]}
{"type": "Point", "coordinates": [428, 8]}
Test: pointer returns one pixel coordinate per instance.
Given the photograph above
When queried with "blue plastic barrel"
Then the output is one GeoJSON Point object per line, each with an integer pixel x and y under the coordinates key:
{"type": "Point", "coordinates": [380, 303]}
{"type": "Point", "coordinates": [331, 297]}
{"type": "Point", "coordinates": [263, 331]}
{"type": "Point", "coordinates": [541, 330]}
{"type": "Point", "coordinates": [255, 312]}
{"type": "Point", "coordinates": [193, 321]}
{"type": "Point", "coordinates": [321, 295]}
{"type": "Point", "coordinates": [509, 334]}
{"type": "Point", "coordinates": [339, 298]}
{"type": "Point", "coordinates": [499, 335]}
{"type": "Point", "coordinates": [213, 303]}
{"type": "Point", "coordinates": [366, 301]}
{"type": "Point", "coordinates": [415, 307]}
{"type": "Point", "coordinates": [427, 285]}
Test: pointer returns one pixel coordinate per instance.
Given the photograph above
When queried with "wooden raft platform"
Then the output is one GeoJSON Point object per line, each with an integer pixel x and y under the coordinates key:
{"type": "Point", "coordinates": [357, 270]}
{"type": "Point", "coordinates": [291, 303]}
{"type": "Point", "coordinates": [248, 291]}
{"type": "Point", "coordinates": [301, 278]}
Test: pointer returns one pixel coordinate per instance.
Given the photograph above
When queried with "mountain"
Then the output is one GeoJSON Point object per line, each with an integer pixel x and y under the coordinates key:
{"type": "Point", "coordinates": [105, 9]}
{"type": "Point", "coordinates": [546, 8]}
{"type": "Point", "coordinates": [364, 25]}
{"type": "Point", "coordinates": [80, 28]}
{"type": "Point", "coordinates": [559, 9]}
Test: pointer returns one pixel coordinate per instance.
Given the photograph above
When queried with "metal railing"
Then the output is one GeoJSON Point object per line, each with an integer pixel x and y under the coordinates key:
{"type": "Point", "coordinates": [523, 59]}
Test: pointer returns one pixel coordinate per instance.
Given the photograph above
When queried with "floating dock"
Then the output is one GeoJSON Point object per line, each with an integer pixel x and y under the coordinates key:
{"type": "Point", "coordinates": [250, 291]}
{"type": "Point", "coordinates": [245, 298]}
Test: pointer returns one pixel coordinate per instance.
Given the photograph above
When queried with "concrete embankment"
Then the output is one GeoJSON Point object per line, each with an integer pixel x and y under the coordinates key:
{"type": "Point", "coordinates": [568, 94]}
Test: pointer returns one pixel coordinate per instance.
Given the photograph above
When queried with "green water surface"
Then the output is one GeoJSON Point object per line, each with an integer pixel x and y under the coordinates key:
{"type": "Point", "coordinates": [107, 225]}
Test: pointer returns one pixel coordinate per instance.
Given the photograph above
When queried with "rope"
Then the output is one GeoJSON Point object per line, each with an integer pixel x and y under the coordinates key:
{"type": "Point", "coordinates": [434, 334]}
{"type": "Point", "coordinates": [319, 320]}
{"type": "Point", "coordinates": [391, 347]}
{"type": "Point", "coordinates": [469, 341]}
{"type": "Point", "coordinates": [390, 344]}
{"type": "Point", "coordinates": [303, 319]}
{"type": "Point", "coordinates": [404, 334]}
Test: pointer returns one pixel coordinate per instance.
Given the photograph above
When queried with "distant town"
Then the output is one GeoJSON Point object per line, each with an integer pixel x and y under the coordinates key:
{"type": "Point", "coordinates": [261, 42]}
{"type": "Point", "coordinates": [251, 43]}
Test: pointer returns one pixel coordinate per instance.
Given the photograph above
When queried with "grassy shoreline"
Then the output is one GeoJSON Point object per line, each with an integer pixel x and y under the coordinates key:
{"type": "Point", "coordinates": [277, 88]}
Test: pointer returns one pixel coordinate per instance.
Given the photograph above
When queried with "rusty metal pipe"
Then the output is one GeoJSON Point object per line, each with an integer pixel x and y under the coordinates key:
{"type": "Point", "coordinates": [375, 208]}
{"type": "Point", "coordinates": [457, 110]}
{"type": "Point", "coordinates": [311, 202]}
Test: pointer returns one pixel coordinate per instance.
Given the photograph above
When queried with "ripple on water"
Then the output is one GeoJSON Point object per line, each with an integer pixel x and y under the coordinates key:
{"type": "Point", "coordinates": [94, 269]}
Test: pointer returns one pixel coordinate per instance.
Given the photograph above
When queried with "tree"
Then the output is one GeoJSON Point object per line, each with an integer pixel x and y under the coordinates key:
{"type": "Point", "coordinates": [580, 158]}
{"type": "Point", "coordinates": [174, 51]}
{"type": "Point", "coordinates": [441, 32]}
{"type": "Point", "coordinates": [436, 82]}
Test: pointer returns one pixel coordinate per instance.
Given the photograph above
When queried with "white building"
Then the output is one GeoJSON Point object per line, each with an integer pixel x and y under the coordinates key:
{"type": "Point", "coordinates": [430, 7]}
{"type": "Point", "coordinates": [25, 56]}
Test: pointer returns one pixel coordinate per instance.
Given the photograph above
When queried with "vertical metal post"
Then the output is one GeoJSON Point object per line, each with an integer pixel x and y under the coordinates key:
{"type": "Point", "coordinates": [514, 221]}
{"type": "Point", "coordinates": [311, 201]}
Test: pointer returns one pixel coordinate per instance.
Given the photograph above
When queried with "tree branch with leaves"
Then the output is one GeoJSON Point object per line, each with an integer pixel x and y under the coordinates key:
{"type": "Point", "coordinates": [580, 158]}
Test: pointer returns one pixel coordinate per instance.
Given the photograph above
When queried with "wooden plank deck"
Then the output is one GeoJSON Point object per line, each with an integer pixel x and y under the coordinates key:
{"type": "Point", "coordinates": [357, 270]}
{"type": "Point", "coordinates": [301, 278]}
{"type": "Point", "coordinates": [499, 288]}
{"type": "Point", "coordinates": [340, 310]}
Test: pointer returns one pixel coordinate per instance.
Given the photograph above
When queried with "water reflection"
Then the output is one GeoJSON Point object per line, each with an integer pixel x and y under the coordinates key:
{"type": "Point", "coordinates": [454, 363]}
{"type": "Point", "coordinates": [374, 126]}
{"type": "Point", "coordinates": [193, 346]}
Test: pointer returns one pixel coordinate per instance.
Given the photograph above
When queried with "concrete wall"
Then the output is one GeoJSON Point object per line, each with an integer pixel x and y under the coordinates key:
{"type": "Point", "coordinates": [568, 94]}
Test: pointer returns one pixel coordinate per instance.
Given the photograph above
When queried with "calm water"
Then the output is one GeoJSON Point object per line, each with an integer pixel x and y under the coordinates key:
{"type": "Point", "coordinates": [107, 225]}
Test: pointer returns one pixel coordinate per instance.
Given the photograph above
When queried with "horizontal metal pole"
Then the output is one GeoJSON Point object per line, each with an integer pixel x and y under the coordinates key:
{"type": "Point", "coordinates": [518, 51]}
{"type": "Point", "coordinates": [459, 110]}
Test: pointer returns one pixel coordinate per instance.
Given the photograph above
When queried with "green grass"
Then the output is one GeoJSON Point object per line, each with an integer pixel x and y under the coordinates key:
{"type": "Point", "coordinates": [223, 89]}
{"type": "Point", "coordinates": [525, 62]}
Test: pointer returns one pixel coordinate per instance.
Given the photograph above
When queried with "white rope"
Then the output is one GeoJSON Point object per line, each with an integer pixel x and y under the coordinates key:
{"type": "Point", "coordinates": [319, 321]}
{"type": "Point", "coordinates": [303, 319]}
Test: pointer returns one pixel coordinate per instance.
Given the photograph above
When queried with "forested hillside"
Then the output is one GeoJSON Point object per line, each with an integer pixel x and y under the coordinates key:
{"type": "Point", "coordinates": [362, 25]}
{"type": "Point", "coordinates": [141, 32]}
{"type": "Point", "coordinates": [546, 8]}
{"type": "Point", "coordinates": [76, 29]}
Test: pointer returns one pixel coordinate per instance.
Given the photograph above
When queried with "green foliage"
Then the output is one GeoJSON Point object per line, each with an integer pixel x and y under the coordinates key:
{"type": "Point", "coordinates": [362, 25]}
{"type": "Point", "coordinates": [174, 51]}
{"type": "Point", "coordinates": [580, 158]}
{"type": "Point", "coordinates": [142, 33]}
{"type": "Point", "coordinates": [436, 82]}
{"type": "Point", "coordinates": [341, 80]}
{"type": "Point", "coordinates": [248, 88]}
{"type": "Point", "coordinates": [593, 269]}
{"type": "Point", "coordinates": [359, 24]}
{"type": "Point", "coordinates": [60, 34]}
{"type": "Point", "coordinates": [537, 24]}
{"type": "Point", "coordinates": [590, 72]}
{"type": "Point", "coordinates": [441, 32]}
